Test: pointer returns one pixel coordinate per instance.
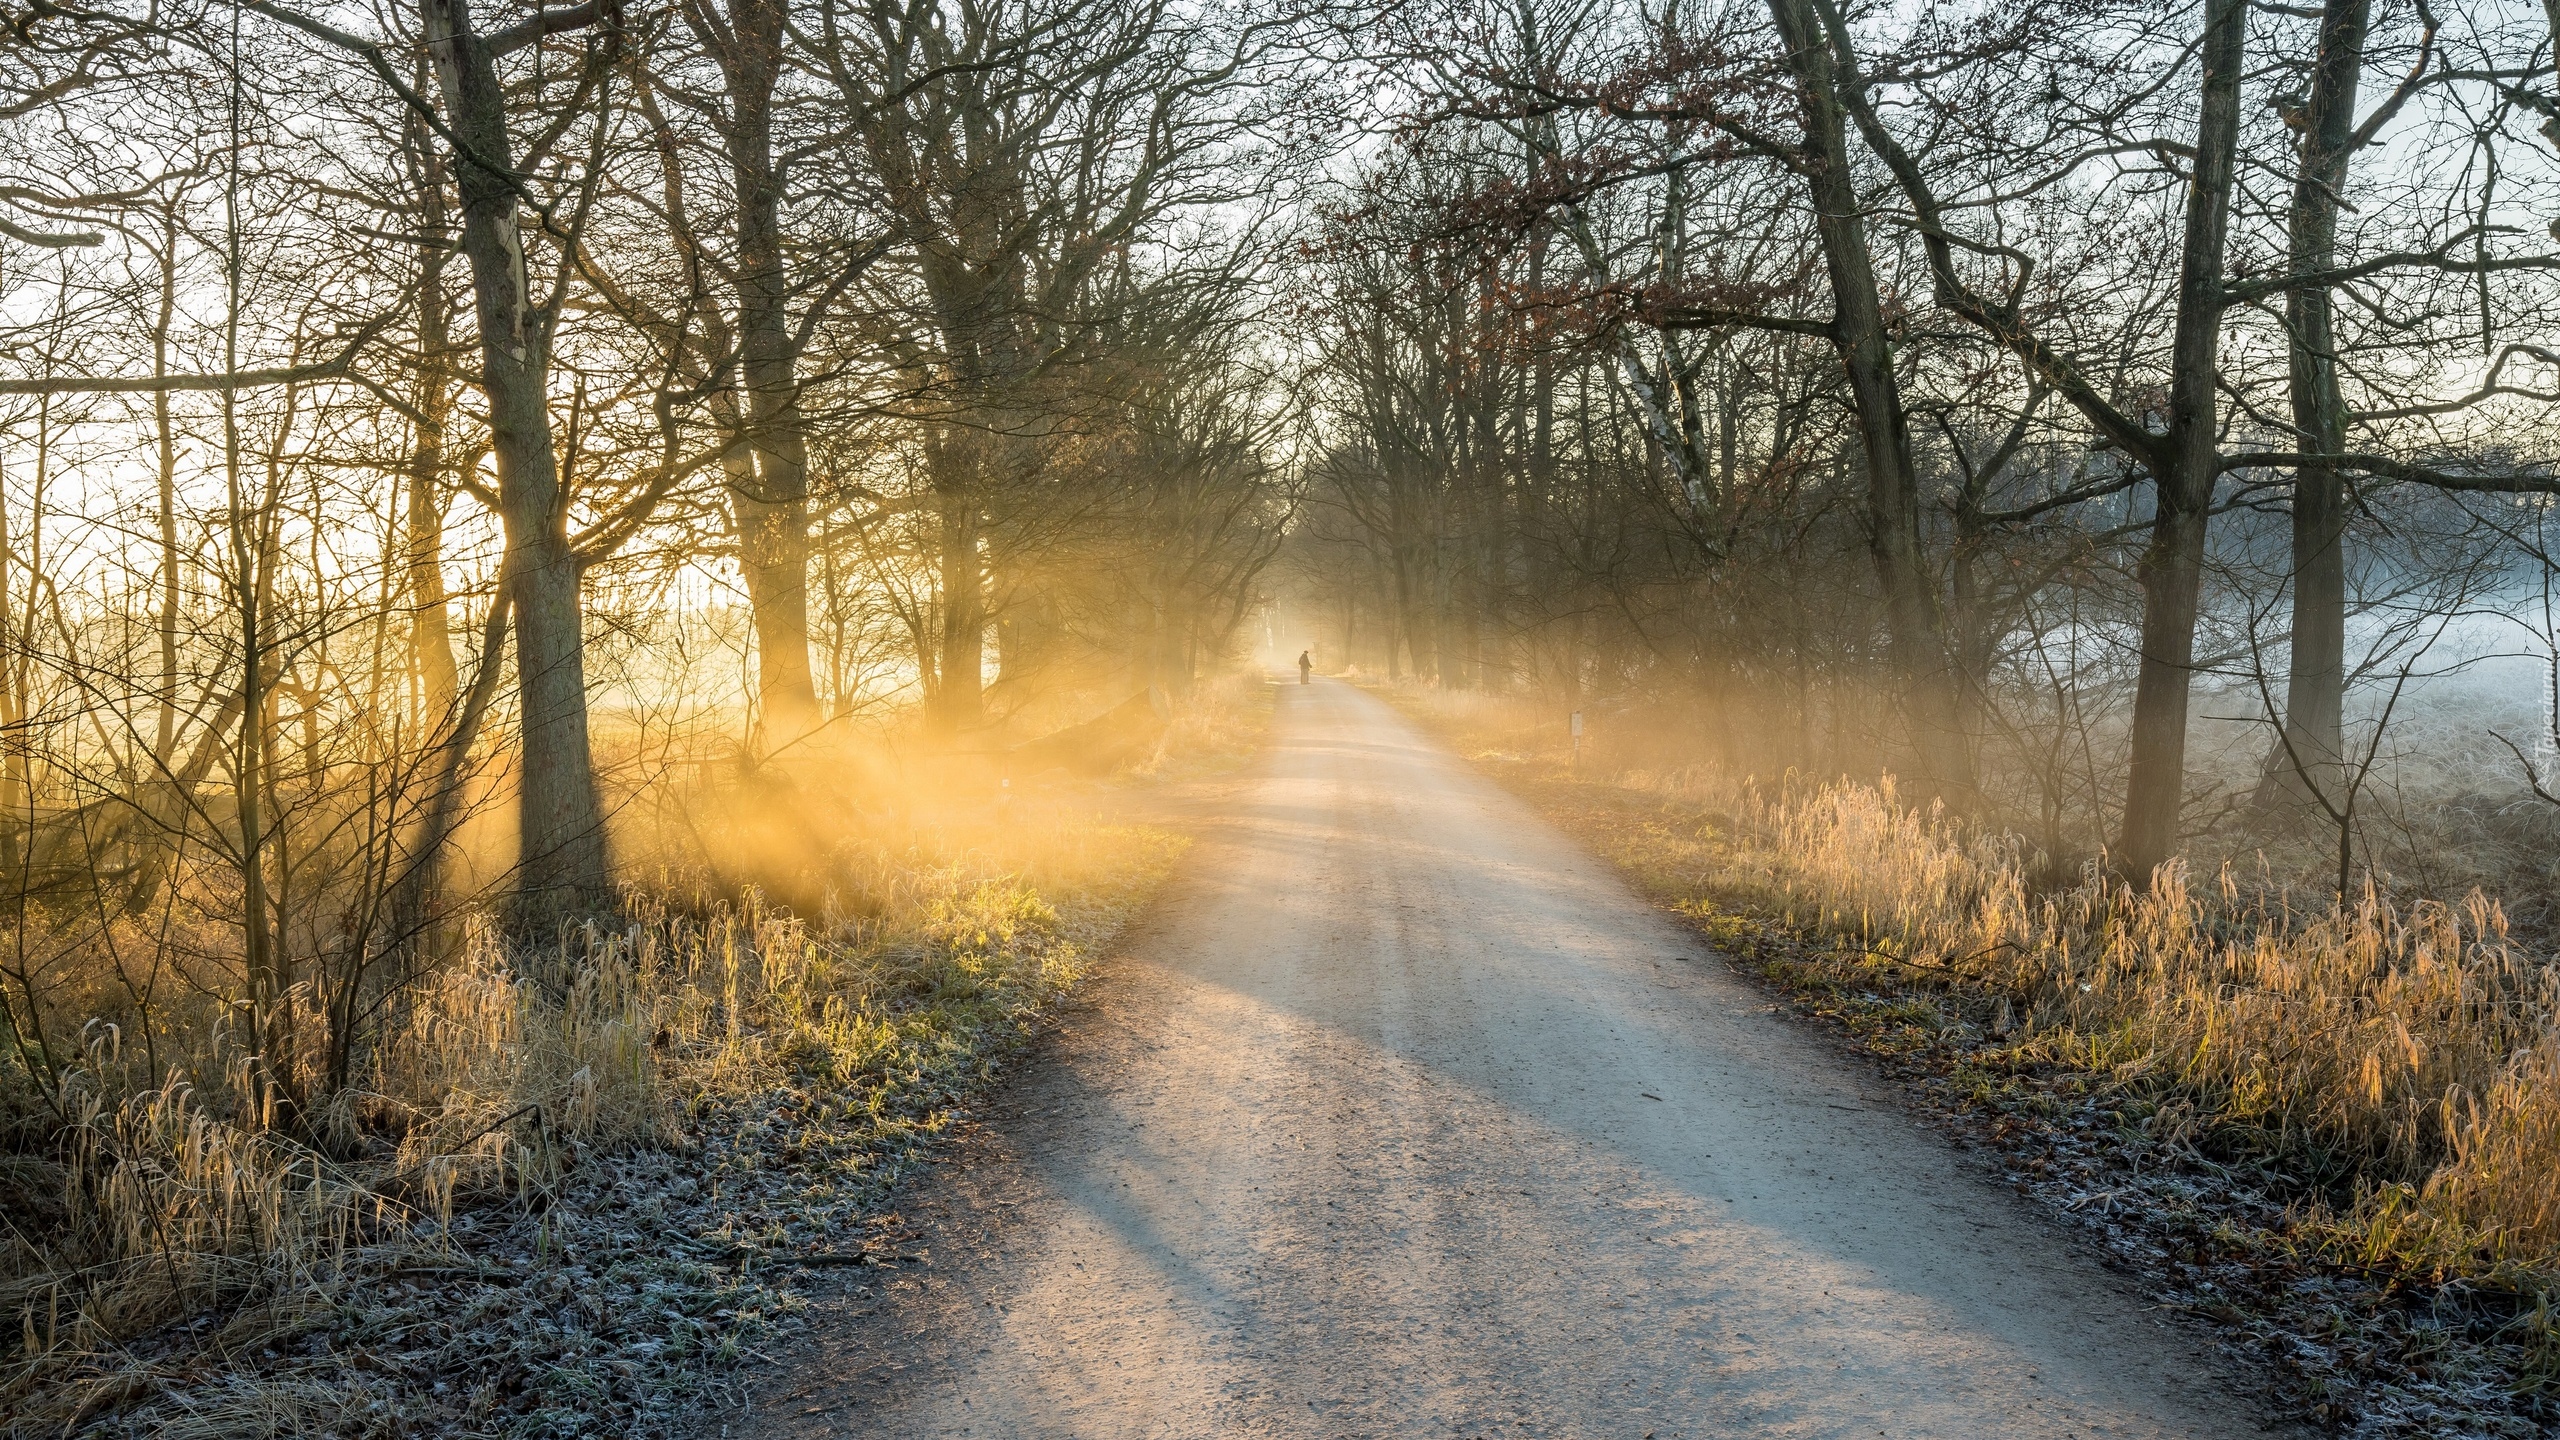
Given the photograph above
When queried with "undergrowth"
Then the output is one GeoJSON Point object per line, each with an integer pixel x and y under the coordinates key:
{"type": "Point", "coordinates": [599, 1169]}
{"type": "Point", "coordinates": [567, 1183]}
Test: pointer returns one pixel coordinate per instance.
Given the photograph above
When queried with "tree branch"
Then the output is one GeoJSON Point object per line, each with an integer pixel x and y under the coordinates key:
{"type": "Point", "coordinates": [236, 380]}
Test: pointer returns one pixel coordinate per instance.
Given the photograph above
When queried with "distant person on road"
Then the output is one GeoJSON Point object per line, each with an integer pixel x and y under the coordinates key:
{"type": "Point", "coordinates": [1306, 667]}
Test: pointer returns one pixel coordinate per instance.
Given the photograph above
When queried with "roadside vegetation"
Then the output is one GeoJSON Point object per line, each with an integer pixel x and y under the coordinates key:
{"type": "Point", "coordinates": [568, 1182]}
{"type": "Point", "coordinates": [2331, 1129]}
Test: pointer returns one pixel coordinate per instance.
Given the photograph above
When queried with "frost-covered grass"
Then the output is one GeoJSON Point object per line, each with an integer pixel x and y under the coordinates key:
{"type": "Point", "coordinates": [573, 1193]}
{"type": "Point", "coordinates": [571, 1181]}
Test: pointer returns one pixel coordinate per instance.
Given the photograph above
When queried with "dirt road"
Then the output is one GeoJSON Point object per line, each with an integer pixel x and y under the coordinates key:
{"type": "Point", "coordinates": [1404, 1117]}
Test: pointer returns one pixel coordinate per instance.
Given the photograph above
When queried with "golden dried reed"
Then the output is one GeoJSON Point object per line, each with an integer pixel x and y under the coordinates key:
{"type": "Point", "coordinates": [2388, 1033]}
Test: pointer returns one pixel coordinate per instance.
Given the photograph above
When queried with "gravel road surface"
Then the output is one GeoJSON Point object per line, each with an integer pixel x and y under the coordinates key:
{"type": "Point", "coordinates": [1401, 1116]}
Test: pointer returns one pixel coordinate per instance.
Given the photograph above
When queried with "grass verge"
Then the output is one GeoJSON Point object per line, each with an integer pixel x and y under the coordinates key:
{"type": "Point", "coordinates": [577, 1183]}
{"type": "Point", "coordinates": [2331, 1134]}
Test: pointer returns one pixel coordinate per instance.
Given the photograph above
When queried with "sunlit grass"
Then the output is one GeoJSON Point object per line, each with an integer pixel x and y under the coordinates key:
{"type": "Point", "coordinates": [940, 914]}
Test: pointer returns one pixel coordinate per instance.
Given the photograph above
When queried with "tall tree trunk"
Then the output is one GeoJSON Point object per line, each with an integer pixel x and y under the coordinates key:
{"type": "Point", "coordinates": [268, 965]}
{"type": "Point", "coordinates": [773, 559]}
{"type": "Point", "coordinates": [1915, 622]}
{"type": "Point", "coordinates": [17, 821]}
{"type": "Point", "coordinates": [2315, 681]}
{"type": "Point", "coordinates": [772, 517]}
{"type": "Point", "coordinates": [430, 618]}
{"type": "Point", "coordinates": [165, 732]}
{"type": "Point", "coordinates": [2172, 567]}
{"type": "Point", "coordinates": [1492, 618]}
{"type": "Point", "coordinates": [1412, 606]}
{"type": "Point", "coordinates": [560, 820]}
{"type": "Point", "coordinates": [1542, 577]}
{"type": "Point", "coordinates": [413, 895]}
{"type": "Point", "coordinates": [1972, 630]}
{"type": "Point", "coordinates": [262, 961]}
{"type": "Point", "coordinates": [430, 608]}
{"type": "Point", "coordinates": [962, 699]}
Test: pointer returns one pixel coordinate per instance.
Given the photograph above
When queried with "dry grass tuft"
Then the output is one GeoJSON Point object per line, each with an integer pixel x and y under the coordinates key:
{"type": "Point", "coordinates": [2394, 1038]}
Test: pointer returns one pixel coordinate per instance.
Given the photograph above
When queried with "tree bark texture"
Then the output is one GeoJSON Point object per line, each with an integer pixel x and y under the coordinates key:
{"type": "Point", "coordinates": [562, 867]}
{"type": "Point", "coordinates": [772, 513]}
{"type": "Point", "coordinates": [1915, 621]}
{"type": "Point", "coordinates": [2315, 680]}
{"type": "Point", "coordinates": [430, 617]}
{"type": "Point", "coordinates": [2172, 565]}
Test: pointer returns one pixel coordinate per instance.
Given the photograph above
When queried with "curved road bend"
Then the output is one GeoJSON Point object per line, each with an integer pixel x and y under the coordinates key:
{"type": "Point", "coordinates": [1404, 1117]}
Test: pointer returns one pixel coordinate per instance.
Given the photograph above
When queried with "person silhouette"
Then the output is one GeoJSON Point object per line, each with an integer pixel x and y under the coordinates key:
{"type": "Point", "coordinates": [1306, 667]}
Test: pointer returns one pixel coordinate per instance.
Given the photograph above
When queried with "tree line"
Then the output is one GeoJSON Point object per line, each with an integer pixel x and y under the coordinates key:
{"type": "Point", "coordinates": [420, 418]}
{"type": "Point", "coordinates": [409, 411]}
{"type": "Point", "coordinates": [1987, 395]}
